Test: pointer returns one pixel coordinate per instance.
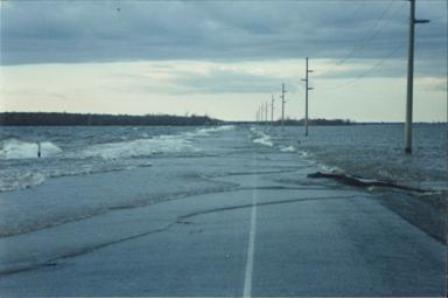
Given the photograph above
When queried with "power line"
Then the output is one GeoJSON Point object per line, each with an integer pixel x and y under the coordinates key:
{"type": "Point", "coordinates": [363, 74]}
{"type": "Point", "coordinates": [357, 8]}
{"type": "Point", "coordinates": [376, 29]}
{"type": "Point", "coordinates": [367, 38]}
{"type": "Point", "coordinates": [305, 12]}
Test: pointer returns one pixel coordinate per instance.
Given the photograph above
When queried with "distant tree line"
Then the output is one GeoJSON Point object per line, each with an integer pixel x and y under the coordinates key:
{"type": "Point", "coordinates": [318, 121]}
{"type": "Point", "coordinates": [56, 119]}
{"type": "Point", "coordinates": [292, 122]}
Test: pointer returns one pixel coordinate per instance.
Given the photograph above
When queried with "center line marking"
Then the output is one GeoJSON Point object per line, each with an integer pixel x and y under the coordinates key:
{"type": "Point", "coordinates": [251, 248]}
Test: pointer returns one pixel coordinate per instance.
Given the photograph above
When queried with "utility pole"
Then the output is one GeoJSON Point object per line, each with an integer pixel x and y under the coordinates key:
{"type": "Point", "coordinates": [410, 83]}
{"type": "Point", "coordinates": [307, 88]}
{"type": "Point", "coordinates": [272, 109]}
{"type": "Point", "coordinates": [261, 114]}
{"type": "Point", "coordinates": [266, 110]}
{"type": "Point", "coordinates": [283, 104]}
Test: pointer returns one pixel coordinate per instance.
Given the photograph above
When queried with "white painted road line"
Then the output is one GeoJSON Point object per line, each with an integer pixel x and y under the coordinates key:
{"type": "Point", "coordinates": [251, 248]}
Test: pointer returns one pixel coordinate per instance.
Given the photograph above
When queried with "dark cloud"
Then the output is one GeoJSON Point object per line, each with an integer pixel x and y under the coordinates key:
{"type": "Point", "coordinates": [97, 31]}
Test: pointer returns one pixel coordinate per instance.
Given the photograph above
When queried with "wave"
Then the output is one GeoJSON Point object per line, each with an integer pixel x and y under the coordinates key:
{"type": "Point", "coordinates": [216, 129]}
{"type": "Point", "coordinates": [15, 180]}
{"type": "Point", "coordinates": [21, 180]}
{"type": "Point", "coordinates": [287, 149]}
{"type": "Point", "coordinates": [261, 138]}
{"type": "Point", "coordinates": [139, 147]}
{"type": "Point", "coordinates": [17, 149]}
{"type": "Point", "coordinates": [19, 171]}
{"type": "Point", "coordinates": [149, 146]}
{"type": "Point", "coordinates": [209, 130]}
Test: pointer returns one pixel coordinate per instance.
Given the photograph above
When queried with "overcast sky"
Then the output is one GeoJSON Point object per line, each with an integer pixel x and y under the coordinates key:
{"type": "Point", "coordinates": [223, 59]}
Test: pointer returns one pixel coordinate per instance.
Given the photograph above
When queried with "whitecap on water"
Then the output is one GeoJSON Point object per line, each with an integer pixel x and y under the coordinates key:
{"type": "Point", "coordinates": [149, 146]}
{"type": "Point", "coordinates": [287, 149]}
{"type": "Point", "coordinates": [261, 138]}
{"type": "Point", "coordinates": [20, 180]}
{"type": "Point", "coordinates": [117, 155]}
{"type": "Point", "coordinates": [330, 169]}
{"type": "Point", "coordinates": [139, 147]}
{"type": "Point", "coordinates": [201, 132]}
{"type": "Point", "coordinates": [16, 149]}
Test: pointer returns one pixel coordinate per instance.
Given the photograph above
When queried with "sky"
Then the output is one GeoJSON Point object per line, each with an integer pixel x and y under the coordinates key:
{"type": "Point", "coordinates": [222, 58]}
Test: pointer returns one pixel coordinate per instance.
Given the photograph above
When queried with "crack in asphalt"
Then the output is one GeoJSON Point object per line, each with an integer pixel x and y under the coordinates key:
{"type": "Point", "coordinates": [231, 187]}
{"type": "Point", "coordinates": [269, 203]}
{"type": "Point", "coordinates": [179, 220]}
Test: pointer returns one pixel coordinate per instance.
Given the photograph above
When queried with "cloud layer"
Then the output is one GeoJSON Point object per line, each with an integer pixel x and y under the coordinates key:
{"type": "Point", "coordinates": [96, 31]}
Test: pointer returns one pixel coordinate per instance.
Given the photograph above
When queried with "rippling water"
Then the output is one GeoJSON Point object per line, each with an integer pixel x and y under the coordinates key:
{"type": "Point", "coordinates": [85, 150]}
{"type": "Point", "coordinates": [370, 151]}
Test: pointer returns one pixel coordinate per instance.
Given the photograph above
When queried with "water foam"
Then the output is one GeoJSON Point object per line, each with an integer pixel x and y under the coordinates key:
{"type": "Point", "coordinates": [149, 146]}
{"type": "Point", "coordinates": [21, 180]}
{"type": "Point", "coordinates": [209, 130]}
{"type": "Point", "coordinates": [287, 149]}
{"type": "Point", "coordinates": [16, 149]}
{"type": "Point", "coordinates": [20, 169]}
{"type": "Point", "coordinates": [139, 147]}
{"type": "Point", "coordinates": [261, 138]}
{"type": "Point", "coordinates": [330, 169]}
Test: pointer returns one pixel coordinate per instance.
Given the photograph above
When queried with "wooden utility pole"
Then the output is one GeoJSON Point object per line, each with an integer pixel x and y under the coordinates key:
{"type": "Point", "coordinates": [266, 110]}
{"type": "Point", "coordinates": [410, 81]}
{"type": "Point", "coordinates": [283, 104]}
{"type": "Point", "coordinates": [307, 88]}
{"type": "Point", "coordinates": [261, 114]}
